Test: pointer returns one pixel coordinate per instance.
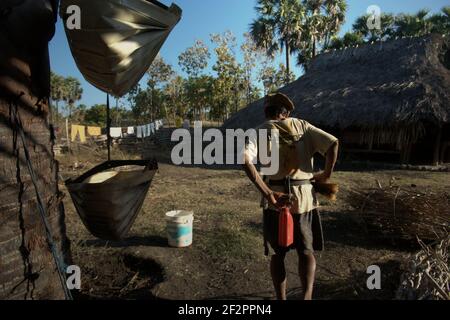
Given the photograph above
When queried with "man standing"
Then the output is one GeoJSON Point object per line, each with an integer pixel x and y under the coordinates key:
{"type": "Point", "coordinates": [299, 142]}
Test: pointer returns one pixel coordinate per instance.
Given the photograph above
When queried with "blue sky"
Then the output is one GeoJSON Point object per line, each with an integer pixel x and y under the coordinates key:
{"type": "Point", "coordinates": [203, 17]}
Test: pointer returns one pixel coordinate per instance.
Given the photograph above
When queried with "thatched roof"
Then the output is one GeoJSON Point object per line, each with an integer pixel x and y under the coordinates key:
{"type": "Point", "coordinates": [388, 84]}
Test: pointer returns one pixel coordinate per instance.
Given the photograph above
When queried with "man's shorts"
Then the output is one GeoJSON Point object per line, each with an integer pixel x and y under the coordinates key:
{"type": "Point", "coordinates": [308, 234]}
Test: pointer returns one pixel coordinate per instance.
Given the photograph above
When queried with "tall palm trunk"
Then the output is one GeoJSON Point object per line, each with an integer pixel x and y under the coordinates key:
{"type": "Point", "coordinates": [288, 61]}
{"type": "Point", "coordinates": [27, 269]}
{"type": "Point", "coordinates": [314, 47]}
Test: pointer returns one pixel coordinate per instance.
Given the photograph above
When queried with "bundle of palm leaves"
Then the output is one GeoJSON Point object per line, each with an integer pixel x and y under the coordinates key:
{"type": "Point", "coordinates": [402, 214]}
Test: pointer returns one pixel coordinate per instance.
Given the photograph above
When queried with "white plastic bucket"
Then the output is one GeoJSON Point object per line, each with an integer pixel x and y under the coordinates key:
{"type": "Point", "coordinates": [179, 228]}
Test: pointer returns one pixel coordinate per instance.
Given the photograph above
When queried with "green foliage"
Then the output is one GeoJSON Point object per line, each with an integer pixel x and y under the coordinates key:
{"type": "Point", "coordinates": [195, 59]}
{"type": "Point", "coordinates": [278, 27]}
{"type": "Point", "coordinates": [65, 89]}
{"type": "Point", "coordinates": [73, 93]}
{"type": "Point", "coordinates": [395, 26]}
{"type": "Point", "coordinates": [229, 86]}
{"type": "Point", "coordinates": [350, 39]}
{"type": "Point", "coordinates": [297, 27]}
{"type": "Point", "coordinates": [95, 115]}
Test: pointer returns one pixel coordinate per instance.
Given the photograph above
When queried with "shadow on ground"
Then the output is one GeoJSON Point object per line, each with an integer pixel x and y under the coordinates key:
{"type": "Point", "coordinates": [125, 277]}
{"type": "Point", "coordinates": [148, 241]}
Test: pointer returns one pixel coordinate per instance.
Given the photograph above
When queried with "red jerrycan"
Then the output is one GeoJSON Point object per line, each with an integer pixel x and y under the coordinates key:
{"type": "Point", "coordinates": [285, 228]}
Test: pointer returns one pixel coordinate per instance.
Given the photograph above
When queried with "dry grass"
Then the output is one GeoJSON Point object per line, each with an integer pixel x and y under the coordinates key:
{"type": "Point", "coordinates": [400, 213]}
{"type": "Point", "coordinates": [428, 274]}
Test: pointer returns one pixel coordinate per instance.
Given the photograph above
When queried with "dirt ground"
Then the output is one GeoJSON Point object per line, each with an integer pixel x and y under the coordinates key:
{"type": "Point", "coordinates": [226, 260]}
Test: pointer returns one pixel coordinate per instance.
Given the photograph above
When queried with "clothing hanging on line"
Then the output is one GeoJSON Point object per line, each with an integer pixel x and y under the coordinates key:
{"type": "Point", "coordinates": [130, 130]}
{"type": "Point", "coordinates": [80, 131]}
{"type": "Point", "coordinates": [94, 131]}
{"type": "Point", "coordinates": [115, 132]}
{"type": "Point", "coordinates": [140, 132]}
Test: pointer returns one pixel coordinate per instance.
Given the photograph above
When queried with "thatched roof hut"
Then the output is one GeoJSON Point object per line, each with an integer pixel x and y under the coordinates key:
{"type": "Point", "coordinates": [389, 92]}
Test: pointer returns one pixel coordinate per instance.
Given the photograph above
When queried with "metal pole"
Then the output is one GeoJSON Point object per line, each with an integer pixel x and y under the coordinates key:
{"type": "Point", "coordinates": [108, 127]}
{"type": "Point", "coordinates": [67, 135]}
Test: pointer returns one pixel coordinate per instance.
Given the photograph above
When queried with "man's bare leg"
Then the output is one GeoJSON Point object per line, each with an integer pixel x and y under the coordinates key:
{"type": "Point", "coordinates": [307, 272]}
{"type": "Point", "coordinates": [278, 272]}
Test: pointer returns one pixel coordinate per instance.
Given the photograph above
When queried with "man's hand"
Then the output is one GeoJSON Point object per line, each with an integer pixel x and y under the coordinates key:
{"type": "Point", "coordinates": [321, 177]}
{"type": "Point", "coordinates": [278, 199]}
{"type": "Point", "coordinates": [330, 161]}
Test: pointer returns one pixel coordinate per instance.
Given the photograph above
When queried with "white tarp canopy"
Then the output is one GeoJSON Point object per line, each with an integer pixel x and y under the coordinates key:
{"type": "Point", "coordinates": [118, 39]}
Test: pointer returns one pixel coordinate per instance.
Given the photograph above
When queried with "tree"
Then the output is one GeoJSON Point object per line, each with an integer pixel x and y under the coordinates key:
{"type": "Point", "coordinates": [315, 25]}
{"type": "Point", "coordinates": [440, 23]}
{"type": "Point", "coordinates": [140, 106]}
{"type": "Point", "coordinates": [175, 91]}
{"type": "Point", "coordinates": [228, 86]}
{"type": "Point", "coordinates": [321, 23]}
{"type": "Point", "coordinates": [95, 115]}
{"type": "Point", "coordinates": [414, 25]}
{"type": "Point", "coordinates": [385, 31]}
{"type": "Point", "coordinates": [195, 59]}
{"type": "Point", "coordinates": [335, 11]}
{"type": "Point", "coordinates": [79, 113]}
{"type": "Point", "coordinates": [273, 79]}
{"type": "Point", "coordinates": [251, 54]}
{"type": "Point", "coordinates": [58, 91]}
{"type": "Point", "coordinates": [159, 73]}
{"type": "Point", "coordinates": [350, 39]}
{"type": "Point", "coordinates": [73, 91]}
{"type": "Point", "coordinates": [278, 27]}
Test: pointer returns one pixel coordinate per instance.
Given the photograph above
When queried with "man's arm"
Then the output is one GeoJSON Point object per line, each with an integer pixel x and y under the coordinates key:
{"type": "Point", "coordinates": [253, 175]}
{"type": "Point", "coordinates": [330, 162]}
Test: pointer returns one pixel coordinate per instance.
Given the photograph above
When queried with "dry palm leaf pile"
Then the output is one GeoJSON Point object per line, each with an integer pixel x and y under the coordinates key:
{"type": "Point", "coordinates": [428, 275]}
{"type": "Point", "coordinates": [403, 214]}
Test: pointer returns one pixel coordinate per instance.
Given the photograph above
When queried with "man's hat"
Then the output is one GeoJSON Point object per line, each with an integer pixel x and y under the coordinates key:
{"type": "Point", "coordinates": [279, 99]}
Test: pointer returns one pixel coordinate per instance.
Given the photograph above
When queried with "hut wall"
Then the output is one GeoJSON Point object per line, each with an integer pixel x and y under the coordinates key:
{"type": "Point", "coordinates": [27, 269]}
{"type": "Point", "coordinates": [433, 147]}
{"type": "Point", "coordinates": [376, 145]}
{"type": "Point", "coordinates": [423, 144]}
{"type": "Point", "coordinates": [445, 148]}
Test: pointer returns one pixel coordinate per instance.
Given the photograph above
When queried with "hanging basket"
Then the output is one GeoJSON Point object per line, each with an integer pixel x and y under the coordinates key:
{"type": "Point", "coordinates": [118, 39]}
{"type": "Point", "coordinates": [108, 201]}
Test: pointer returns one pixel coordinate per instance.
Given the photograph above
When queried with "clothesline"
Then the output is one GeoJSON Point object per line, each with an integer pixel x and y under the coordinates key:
{"type": "Point", "coordinates": [144, 131]}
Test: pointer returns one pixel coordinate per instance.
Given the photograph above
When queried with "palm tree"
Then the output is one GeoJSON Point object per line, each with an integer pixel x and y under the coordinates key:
{"type": "Point", "coordinates": [57, 90]}
{"type": "Point", "coordinates": [315, 22]}
{"type": "Point", "coordinates": [73, 91]}
{"type": "Point", "coordinates": [350, 39]}
{"type": "Point", "coordinates": [386, 29]}
{"type": "Point", "coordinates": [322, 22]}
{"type": "Point", "coordinates": [440, 23]}
{"type": "Point", "coordinates": [334, 18]}
{"type": "Point", "coordinates": [413, 25]}
{"type": "Point", "coordinates": [278, 27]}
